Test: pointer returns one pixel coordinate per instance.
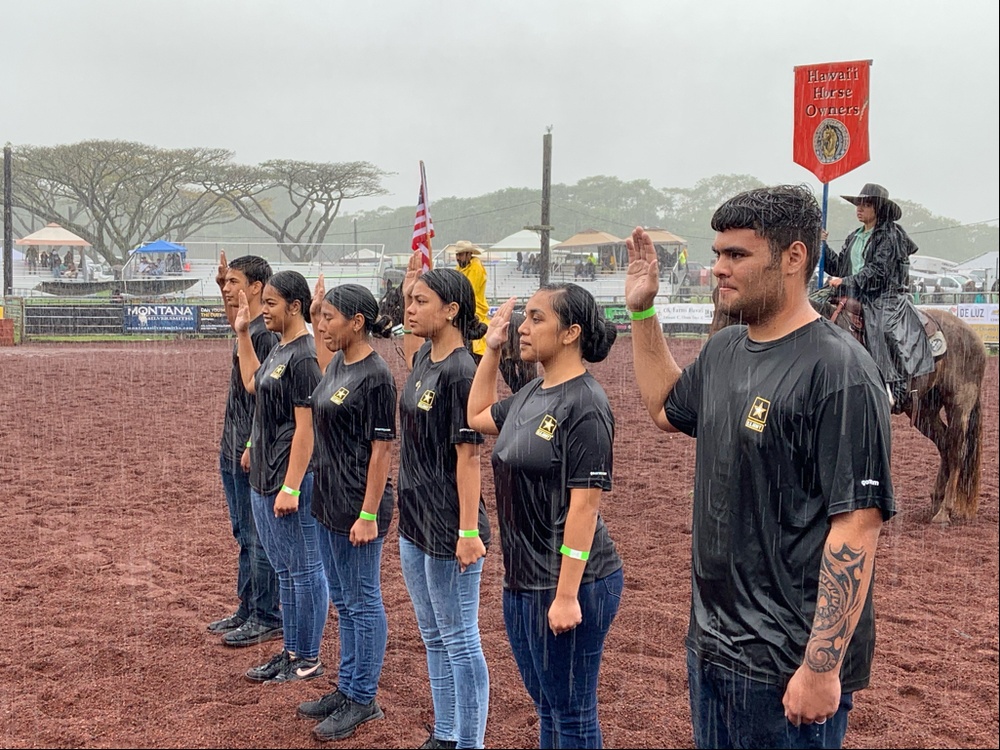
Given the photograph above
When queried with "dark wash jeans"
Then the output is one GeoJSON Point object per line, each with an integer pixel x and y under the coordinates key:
{"type": "Point", "coordinates": [256, 581]}
{"type": "Point", "coordinates": [731, 710]}
{"type": "Point", "coordinates": [560, 672]}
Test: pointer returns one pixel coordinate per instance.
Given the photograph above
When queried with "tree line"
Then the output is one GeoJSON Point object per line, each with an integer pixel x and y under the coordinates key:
{"type": "Point", "coordinates": [119, 194]}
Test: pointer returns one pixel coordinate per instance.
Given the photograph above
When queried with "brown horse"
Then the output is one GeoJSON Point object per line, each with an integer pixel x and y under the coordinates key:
{"type": "Point", "coordinates": [946, 407]}
{"type": "Point", "coordinates": [516, 372]}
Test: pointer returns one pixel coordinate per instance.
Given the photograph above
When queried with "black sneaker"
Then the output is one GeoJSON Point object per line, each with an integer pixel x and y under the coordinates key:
{"type": "Point", "coordinates": [252, 632]}
{"type": "Point", "coordinates": [342, 722]}
{"type": "Point", "coordinates": [320, 709]}
{"type": "Point", "coordinates": [433, 743]}
{"type": "Point", "coordinates": [298, 669]}
{"type": "Point", "coordinates": [226, 624]}
{"type": "Point", "coordinates": [277, 664]}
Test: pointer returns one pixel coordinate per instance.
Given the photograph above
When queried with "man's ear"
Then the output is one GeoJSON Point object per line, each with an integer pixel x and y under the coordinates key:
{"type": "Point", "coordinates": [256, 289]}
{"type": "Point", "coordinates": [796, 257]}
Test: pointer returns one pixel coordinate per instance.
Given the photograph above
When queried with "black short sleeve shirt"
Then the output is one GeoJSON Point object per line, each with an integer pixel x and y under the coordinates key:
{"type": "Point", "coordinates": [285, 380]}
{"type": "Point", "coordinates": [551, 441]}
{"type": "Point", "coordinates": [239, 401]}
{"type": "Point", "coordinates": [432, 420]}
{"type": "Point", "coordinates": [790, 432]}
{"type": "Point", "coordinates": [353, 406]}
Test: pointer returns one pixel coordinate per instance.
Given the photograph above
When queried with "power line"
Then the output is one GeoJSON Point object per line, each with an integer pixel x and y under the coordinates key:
{"type": "Point", "coordinates": [439, 221]}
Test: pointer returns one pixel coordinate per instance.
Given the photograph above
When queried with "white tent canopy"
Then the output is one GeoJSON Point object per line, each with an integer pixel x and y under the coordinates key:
{"type": "Point", "coordinates": [988, 260]}
{"type": "Point", "coordinates": [53, 235]}
{"type": "Point", "coordinates": [526, 241]}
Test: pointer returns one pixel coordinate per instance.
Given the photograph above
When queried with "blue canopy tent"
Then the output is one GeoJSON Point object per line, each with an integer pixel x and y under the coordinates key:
{"type": "Point", "coordinates": [139, 262]}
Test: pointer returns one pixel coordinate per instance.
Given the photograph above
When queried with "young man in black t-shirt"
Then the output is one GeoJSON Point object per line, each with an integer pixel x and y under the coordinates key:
{"type": "Point", "coordinates": [258, 617]}
{"type": "Point", "coordinates": [792, 482]}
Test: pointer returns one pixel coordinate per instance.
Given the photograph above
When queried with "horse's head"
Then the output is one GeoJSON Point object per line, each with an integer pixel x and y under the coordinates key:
{"type": "Point", "coordinates": [391, 304]}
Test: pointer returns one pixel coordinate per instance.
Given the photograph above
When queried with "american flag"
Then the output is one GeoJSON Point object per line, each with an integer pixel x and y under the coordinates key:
{"type": "Point", "coordinates": [423, 226]}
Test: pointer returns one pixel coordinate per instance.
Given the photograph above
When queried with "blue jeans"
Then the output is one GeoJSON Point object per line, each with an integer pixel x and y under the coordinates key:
{"type": "Point", "coordinates": [256, 581]}
{"type": "Point", "coordinates": [730, 710]}
{"type": "Point", "coordinates": [354, 575]}
{"type": "Point", "coordinates": [292, 546]}
{"type": "Point", "coordinates": [446, 604]}
{"type": "Point", "coordinates": [560, 672]}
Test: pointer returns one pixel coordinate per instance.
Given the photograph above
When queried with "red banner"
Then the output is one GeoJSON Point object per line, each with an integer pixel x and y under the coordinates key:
{"type": "Point", "coordinates": [831, 117]}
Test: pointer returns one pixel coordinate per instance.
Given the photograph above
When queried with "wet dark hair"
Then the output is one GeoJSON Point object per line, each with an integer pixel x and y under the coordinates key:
{"type": "Point", "coordinates": [451, 286]}
{"type": "Point", "coordinates": [253, 267]}
{"type": "Point", "coordinates": [292, 286]}
{"type": "Point", "coordinates": [574, 304]}
{"type": "Point", "coordinates": [782, 214]}
{"type": "Point", "coordinates": [352, 299]}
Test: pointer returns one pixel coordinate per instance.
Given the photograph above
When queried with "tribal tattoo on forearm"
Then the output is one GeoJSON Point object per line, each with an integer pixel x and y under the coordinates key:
{"type": "Point", "coordinates": [839, 600]}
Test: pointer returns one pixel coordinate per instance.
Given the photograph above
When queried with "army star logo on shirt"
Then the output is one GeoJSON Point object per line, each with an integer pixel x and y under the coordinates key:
{"type": "Point", "coordinates": [277, 372]}
{"type": "Point", "coordinates": [339, 396]}
{"type": "Point", "coordinates": [426, 400]}
{"type": "Point", "coordinates": [547, 427]}
{"type": "Point", "coordinates": [757, 417]}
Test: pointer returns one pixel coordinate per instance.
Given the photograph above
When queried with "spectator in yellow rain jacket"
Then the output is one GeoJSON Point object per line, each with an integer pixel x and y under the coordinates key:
{"type": "Point", "coordinates": [472, 268]}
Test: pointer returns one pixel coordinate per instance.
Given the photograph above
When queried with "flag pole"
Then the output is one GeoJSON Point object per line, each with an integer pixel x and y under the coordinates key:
{"type": "Point", "coordinates": [427, 212]}
{"type": "Point", "coordinates": [822, 244]}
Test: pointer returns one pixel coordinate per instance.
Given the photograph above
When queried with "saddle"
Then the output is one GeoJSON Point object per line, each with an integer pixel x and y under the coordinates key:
{"type": "Point", "coordinates": [939, 345]}
{"type": "Point", "coordinates": [854, 311]}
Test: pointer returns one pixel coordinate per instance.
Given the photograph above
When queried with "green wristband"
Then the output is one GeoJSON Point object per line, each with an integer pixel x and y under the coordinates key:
{"type": "Point", "coordinates": [574, 553]}
{"type": "Point", "coordinates": [468, 533]}
{"type": "Point", "coordinates": [248, 443]}
{"type": "Point", "coordinates": [641, 316]}
{"type": "Point", "coordinates": [289, 491]}
{"type": "Point", "coordinates": [367, 516]}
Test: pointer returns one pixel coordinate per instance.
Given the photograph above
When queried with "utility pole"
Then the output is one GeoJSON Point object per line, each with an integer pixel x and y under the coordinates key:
{"type": "Point", "coordinates": [355, 235]}
{"type": "Point", "coordinates": [8, 226]}
{"type": "Point", "coordinates": [544, 228]}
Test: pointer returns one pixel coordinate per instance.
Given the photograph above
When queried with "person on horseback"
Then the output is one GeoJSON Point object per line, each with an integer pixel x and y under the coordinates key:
{"type": "Point", "coordinates": [472, 269]}
{"type": "Point", "coordinates": [873, 268]}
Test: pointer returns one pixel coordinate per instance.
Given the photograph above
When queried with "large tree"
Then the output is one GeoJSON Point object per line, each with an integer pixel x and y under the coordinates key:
{"type": "Point", "coordinates": [119, 194]}
{"type": "Point", "coordinates": [294, 202]}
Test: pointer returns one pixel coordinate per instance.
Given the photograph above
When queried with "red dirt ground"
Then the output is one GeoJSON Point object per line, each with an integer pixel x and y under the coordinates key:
{"type": "Point", "coordinates": [116, 552]}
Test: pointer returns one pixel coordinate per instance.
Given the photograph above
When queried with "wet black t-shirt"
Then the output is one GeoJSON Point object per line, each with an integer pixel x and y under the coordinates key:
{"type": "Point", "coordinates": [432, 420]}
{"type": "Point", "coordinates": [240, 402]}
{"type": "Point", "coordinates": [353, 405]}
{"type": "Point", "coordinates": [552, 440]}
{"type": "Point", "coordinates": [286, 379]}
{"type": "Point", "coordinates": [790, 432]}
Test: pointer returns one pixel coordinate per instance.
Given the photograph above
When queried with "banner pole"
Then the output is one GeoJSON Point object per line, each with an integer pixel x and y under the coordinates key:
{"type": "Point", "coordinates": [822, 244]}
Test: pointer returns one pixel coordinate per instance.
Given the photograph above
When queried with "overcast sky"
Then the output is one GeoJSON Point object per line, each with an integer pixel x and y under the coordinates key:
{"type": "Point", "coordinates": [670, 91]}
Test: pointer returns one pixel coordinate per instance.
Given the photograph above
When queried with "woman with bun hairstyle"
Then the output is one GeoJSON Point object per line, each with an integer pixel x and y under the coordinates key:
{"type": "Point", "coordinates": [281, 480]}
{"type": "Point", "coordinates": [443, 528]}
{"type": "Point", "coordinates": [552, 460]}
{"type": "Point", "coordinates": [354, 423]}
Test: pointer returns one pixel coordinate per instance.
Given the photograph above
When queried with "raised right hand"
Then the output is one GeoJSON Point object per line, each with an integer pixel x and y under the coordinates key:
{"type": "Point", "coordinates": [413, 270]}
{"type": "Point", "coordinates": [241, 323]}
{"type": "Point", "coordinates": [316, 306]}
{"type": "Point", "coordinates": [496, 332]}
{"type": "Point", "coordinates": [222, 270]}
{"type": "Point", "coordinates": [642, 281]}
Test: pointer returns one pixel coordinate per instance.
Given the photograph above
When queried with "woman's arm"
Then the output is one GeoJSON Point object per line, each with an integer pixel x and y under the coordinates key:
{"type": "Point", "coordinates": [298, 462]}
{"type": "Point", "coordinates": [364, 531]}
{"type": "Point", "coordinates": [249, 364]}
{"type": "Point", "coordinates": [578, 536]}
{"type": "Point", "coordinates": [469, 481]}
{"type": "Point", "coordinates": [411, 343]}
{"type": "Point", "coordinates": [323, 355]}
{"type": "Point", "coordinates": [484, 386]}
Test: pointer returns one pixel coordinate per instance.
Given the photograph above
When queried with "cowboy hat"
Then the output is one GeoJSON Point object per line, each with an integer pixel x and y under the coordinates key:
{"type": "Point", "coordinates": [464, 246]}
{"type": "Point", "coordinates": [879, 195]}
